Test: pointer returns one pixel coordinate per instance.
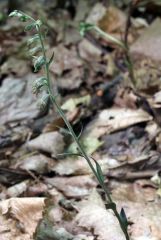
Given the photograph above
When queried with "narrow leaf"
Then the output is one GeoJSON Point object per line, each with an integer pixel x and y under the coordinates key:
{"type": "Point", "coordinates": [80, 134]}
{"type": "Point", "coordinates": [99, 172]}
{"type": "Point", "coordinates": [51, 59]}
{"type": "Point", "coordinates": [69, 154]}
{"type": "Point", "coordinates": [123, 217]}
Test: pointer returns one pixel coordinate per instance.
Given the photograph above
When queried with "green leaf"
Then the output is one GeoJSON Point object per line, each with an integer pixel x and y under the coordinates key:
{"type": "Point", "coordinates": [30, 27]}
{"type": "Point", "coordinates": [99, 173]}
{"type": "Point", "coordinates": [60, 155]}
{"type": "Point", "coordinates": [39, 62]}
{"type": "Point", "coordinates": [23, 18]}
{"type": "Point", "coordinates": [124, 218]}
{"type": "Point", "coordinates": [84, 27]}
{"type": "Point", "coordinates": [51, 59]}
{"type": "Point", "coordinates": [33, 39]}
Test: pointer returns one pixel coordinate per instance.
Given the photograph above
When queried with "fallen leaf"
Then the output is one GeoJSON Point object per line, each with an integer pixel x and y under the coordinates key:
{"type": "Point", "coordinates": [94, 217]}
{"type": "Point", "coordinates": [113, 21]}
{"type": "Point", "coordinates": [72, 103]}
{"type": "Point", "coordinates": [90, 145]}
{"type": "Point", "coordinates": [17, 190]}
{"type": "Point", "coordinates": [96, 14]}
{"type": "Point", "coordinates": [152, 38]}
{"type": "Point", "coordinates": [115, 119]}
{"type": "Point", "coordinates": [76, 187]}
{"type": "Point", "coordinates": [51, 142]}
{"type": "Point", "coordinates": [37, 163]}
{"type": "Point", "coordinates": [19, 217]}
{"type": "Point", "coordinates": [64, 59]}
{"type": "Point", "coordinates": [89, 51]}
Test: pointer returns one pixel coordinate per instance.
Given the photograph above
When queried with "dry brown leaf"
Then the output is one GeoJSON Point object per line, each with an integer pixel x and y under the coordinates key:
{"type": "Point", "coordinates": [79, 165]}
{"type": "Point", "coordinates": [95, 218]}
{"type": "Point", "coordinates": [17, 101]}
{"type": "Point", "coordinates": [17, 189]}
{"type": "Point", "coordinates": [78, 186]}
{"type": "Point", "coordinates": [115, 119]}
{"type": "Point", "coordinates": [19, 217]}
{"type": "Point", "coordinates": [64, 59]}
{"type": "Point", "coordinates": [152, 37]}
{"type": "Point", "coordinates": [51, 142]}
{"type": "Point", "coordinates": [114, 20]}
{"type": "Point", "coordinates": [89, 52]}
{"type": "Point", "coordinates": [37, 163]}
{"type": "Point", "coordinates": [96, 14]}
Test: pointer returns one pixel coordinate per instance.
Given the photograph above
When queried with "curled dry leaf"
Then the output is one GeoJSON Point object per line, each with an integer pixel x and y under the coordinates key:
{"type": "Point", "coordinates": [115, 119]}
{"type": "Point", "coordinates": [19, 217]}
{"type": "Point", "coordinates": [51, 142]}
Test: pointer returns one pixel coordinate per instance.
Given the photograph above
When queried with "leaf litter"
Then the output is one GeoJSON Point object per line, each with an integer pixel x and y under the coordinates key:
{"type": "Point", "coordinates": [121, 127]}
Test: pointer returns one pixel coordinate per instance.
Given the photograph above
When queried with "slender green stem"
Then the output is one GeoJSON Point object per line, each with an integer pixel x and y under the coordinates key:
{"type": "Point", "coordinates": [76, 139]}
{"type": "Point", "coordinates": [125, 47]}
{"type": "Point", "coordinates": [109, 37]}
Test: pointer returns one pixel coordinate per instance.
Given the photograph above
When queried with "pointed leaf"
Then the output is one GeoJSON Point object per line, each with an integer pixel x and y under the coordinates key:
{"type": "Point", "coordinates": [80, 134]}
{"type": "Point", "coordinates": [39, 62]}
{"type": "Point", "coordinates": [69, 154]}
{"type": "Point", "coordinates": [99, 172]}
{"type": "Point", "coordinates": [51, 59]}
{"type": "Point", "coordinates": [124, 218]}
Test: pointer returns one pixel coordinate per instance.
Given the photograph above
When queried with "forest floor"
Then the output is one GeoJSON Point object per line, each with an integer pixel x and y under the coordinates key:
{"type": "Point", "coordinates": [57, 197]}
